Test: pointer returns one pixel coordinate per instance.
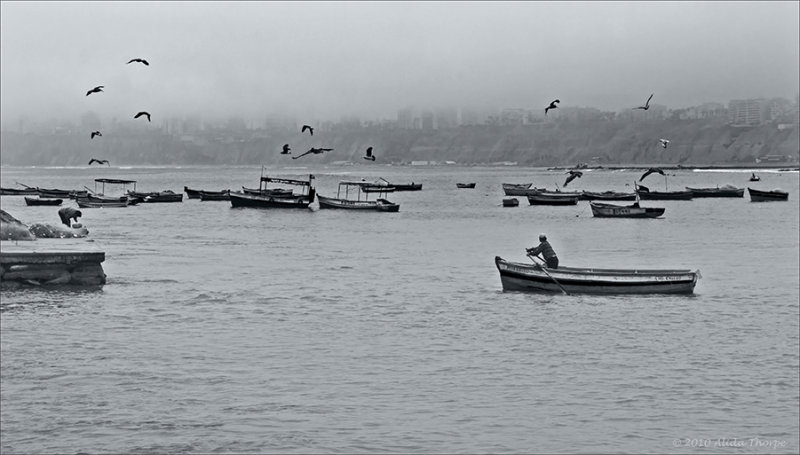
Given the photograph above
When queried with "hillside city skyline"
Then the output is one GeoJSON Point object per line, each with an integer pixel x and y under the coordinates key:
{"type": "Point", "coordinates": [739, 112]}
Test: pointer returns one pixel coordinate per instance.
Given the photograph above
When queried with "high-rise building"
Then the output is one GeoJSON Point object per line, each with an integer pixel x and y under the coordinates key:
{"type": "Point", "coordinates": [750, 112]}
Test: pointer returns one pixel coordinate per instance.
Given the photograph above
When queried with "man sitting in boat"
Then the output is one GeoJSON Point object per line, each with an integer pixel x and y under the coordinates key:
{"type": "Point", "coordinates": [68, 213]}
{"type": "Point", "coordinates": [546, 250]}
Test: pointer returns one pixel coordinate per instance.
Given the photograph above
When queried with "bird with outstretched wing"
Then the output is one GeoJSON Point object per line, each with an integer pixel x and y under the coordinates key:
{"type": "Point", "coordinates": [664, 142]}
{"type": "Point", "coordinates": [306, 127]}
{"type": "Point", "coordinates": [551, 106]}
{"type": "Point", "coordinates": [146, 114]}
{"type": "Point", "coordinates": [647, 104]}
{"type": "Point", "coordinates": [315, 151]}
{"type": "Point", "coordinates": [97, 89]}
{"type": "Point", "coordinates": [95, 133]}
{"type": "Point", "coordinates": [572, 176]}
{"type": "Point", "coordinates": [95, 160]}
{"type": "Point", "coordinates": [139, 60]}
{"type": "Point", "coordinates": [652, 170]}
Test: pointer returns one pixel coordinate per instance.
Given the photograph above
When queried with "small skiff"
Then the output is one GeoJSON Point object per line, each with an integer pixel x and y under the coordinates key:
{"type": "Point", "coordinates": [517, 276]}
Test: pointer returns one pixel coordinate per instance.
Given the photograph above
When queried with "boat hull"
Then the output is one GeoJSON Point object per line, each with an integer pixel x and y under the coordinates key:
{"type": "Point", "coordinates": [39, 201]}
{"type": "Point", "coordinates": [601, 210]}
{"type": "Point", "coordinates": [345, 204]}
{"type": "Point", "coordinates": [215, 195]}
{"type": "Point", "coordinates": [716, 192]}
{"type": "Point", "coordinates": [666, 195]}
{"type": "Point", "coordinates": [465, 185]}
{"type": "Point", "coordinates": [517, 189]}
{"type": "Point", "coordinates": [407, 186]}
{"type": "Point", "coordinates": [552, 199]}
{"type": "Point", "coordinates": [241, 199]}
{"type": "Point", "coordinates": [766, 196]}
{"type": "Point", "coordinates": [516, 276]}
{"type": "Point", "coordinates": [608, 196]}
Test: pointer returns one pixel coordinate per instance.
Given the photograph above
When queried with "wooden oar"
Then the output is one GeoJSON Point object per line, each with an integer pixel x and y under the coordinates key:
{"type": "Point", "coordinates": [551, 276]}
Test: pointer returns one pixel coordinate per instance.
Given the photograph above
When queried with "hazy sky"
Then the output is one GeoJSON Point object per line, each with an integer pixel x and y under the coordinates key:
{"type": "Point", "coordinates": [321, 60]}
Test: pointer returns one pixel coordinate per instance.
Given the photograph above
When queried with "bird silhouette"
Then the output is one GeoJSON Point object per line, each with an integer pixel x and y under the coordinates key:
{"type": "Point", "coordinates": [664, 142]}
{"type": "Point", "coordinates": [139, 60]}
{"type": "Point", "coordinates": [551, 106]}
{"type": "Point", "coordinates": [97, 89]}
{"type": "Point", "coordinates": [369, 155]}
{"type": "Point", "coordinates": [652, 170]}
{"type": "Point", "coordinates": [572, 176]}
{"type": "Point", "coordinates": [286, 150]}
{"type": "Point", "coordinates": [141, 114]}
{"type": "Point", "coordinates": [313, 150]}
{"type": "Point", "coordinates": [306, 127]}
{"type": "Point", "coordinates": [95, 133]}
{"type": "Point", "coordinates": [95, 160]}
{"type": "Point", "coordinates": [646, 105]}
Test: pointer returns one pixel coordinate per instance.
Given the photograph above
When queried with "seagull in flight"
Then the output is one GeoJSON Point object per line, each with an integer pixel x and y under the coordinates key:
{"type": "Point", "coordinates": [313, 150]}
{"type": "Point", "coordinates": [646, 105]}
{"type": "Point", "coordinates": [97, 89]}
{"type": "Point", "coordinates": [572, 176]}
{"type": "Point", "coordinates": [286, 150]}
{"type": "Point", "coordinates": [551, 106]}
{"type": "Point", "coordinates": [652, 170]}
{"type": "Point", "coordinates": [369, 155]}
{"type": "Point", "coordinates": [95, 133]}
{"type": "Point", "coordinates": [664, 142]}
{"type": "Point", "coordinates": [146, 114]}
{"type": "Point", "coordinates": [95, 160]}
{"type": "Point", "coordinates": [138, 60]}
{"type": "Point", "coordinates": [306, 127]}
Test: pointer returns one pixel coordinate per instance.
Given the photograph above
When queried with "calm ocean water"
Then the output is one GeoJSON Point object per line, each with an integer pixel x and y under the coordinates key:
{"type": "Point", "coordinates": [305, 331]}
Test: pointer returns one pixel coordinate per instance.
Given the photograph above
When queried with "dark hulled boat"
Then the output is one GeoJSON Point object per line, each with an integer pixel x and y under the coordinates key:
{"type": "Point", "coordinates": [765, 196]}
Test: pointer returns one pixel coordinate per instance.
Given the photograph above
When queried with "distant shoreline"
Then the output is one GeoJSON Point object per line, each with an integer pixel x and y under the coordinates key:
{"type": "Point", "coordinates": [754, 166]}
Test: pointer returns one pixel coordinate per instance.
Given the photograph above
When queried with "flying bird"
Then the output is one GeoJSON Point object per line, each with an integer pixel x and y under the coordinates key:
{"type": "Point", "coordinates": [551, 106]}
{"type": "Point", "coordinates": [369, 155]}
{"type": "Point", "coordinates": [95, 133]}
{"type": "Point", "coordinates": [97, 89]}
{"type": "Point", "coordinates": [139, 60]}
{"type": "Point", "coordinates": [313, 150]}
{"type": "Point", "coordinates": [95, 160]}
{"type": "Point", "coordinates": [286, 150]}
{"type": "Point", "coordinates": [646, 105]}
{"type": "Point", "coordinates": [664, 142]}
{"type": "Point", "coordinates": [572, 176]}
{"type": "Point", "coordinates": [141, 114]}
{"type": "Point", "coordinates": [652, 170]}
{"type": "Point", "coordinates": [306, 127]}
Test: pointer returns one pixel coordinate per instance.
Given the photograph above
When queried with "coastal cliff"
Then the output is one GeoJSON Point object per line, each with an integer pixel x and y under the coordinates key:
{"type": "Point", "coordinates": [692, 142]}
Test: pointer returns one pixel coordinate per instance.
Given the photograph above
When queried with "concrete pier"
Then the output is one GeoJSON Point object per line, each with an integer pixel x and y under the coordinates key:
{"type": "Point", "coordinates": [44, 268]}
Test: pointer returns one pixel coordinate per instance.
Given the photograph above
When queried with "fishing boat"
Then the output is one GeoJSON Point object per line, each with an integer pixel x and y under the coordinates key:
{"type": "Point", "coordinates": [517, 276]}
{"type": "Point", "coordinates": [378, 186]}
{"type": "Point", "coordinates": [92, 201]}
{"type": "Point", "coordinates": [510, 202]}
{"type": "Point", "coordinates": [18, 192]}
{"type": "Point", "coordinates": [42, 201]}
{"type": "Point", "coordinates": [156, 196]}
{"type": "Point", "coordinates": [754, 177]}
{"type": "Point", "coordinates": [516, 189]}
{"type": "Point", "coordinates": [100, 199]}
{"type": "Point", "coordinates": [351, 195]}
{"type": "Point", "coordinates": [407, 186]}
{"type": "Point", "coordinates": [646, 195]}
{"type": "Point", "coordinates": [764, 196]}
{"type": "Point", "coordinates": [552, 198]}
{"type": "Point", "coordinates": [465, 185]}
{"type": "Point", "coordinates": [215, 195]}
{"type": "Point", "coordinates": [301, 198]}
{"type": "Point", "coordinates": [723, 191]}
{"type": "Point", "coordinates": [608, 196]}
{"type": "Point", "coordinates": [605, 210]}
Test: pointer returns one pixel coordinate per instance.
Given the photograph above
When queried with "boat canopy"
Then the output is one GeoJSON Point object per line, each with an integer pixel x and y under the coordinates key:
{"type": "Point", "coordinates": [288, 181]}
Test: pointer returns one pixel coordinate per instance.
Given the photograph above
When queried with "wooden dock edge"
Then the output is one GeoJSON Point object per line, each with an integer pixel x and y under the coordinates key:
{"type": "Point", "coordinates": [48, 268]}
